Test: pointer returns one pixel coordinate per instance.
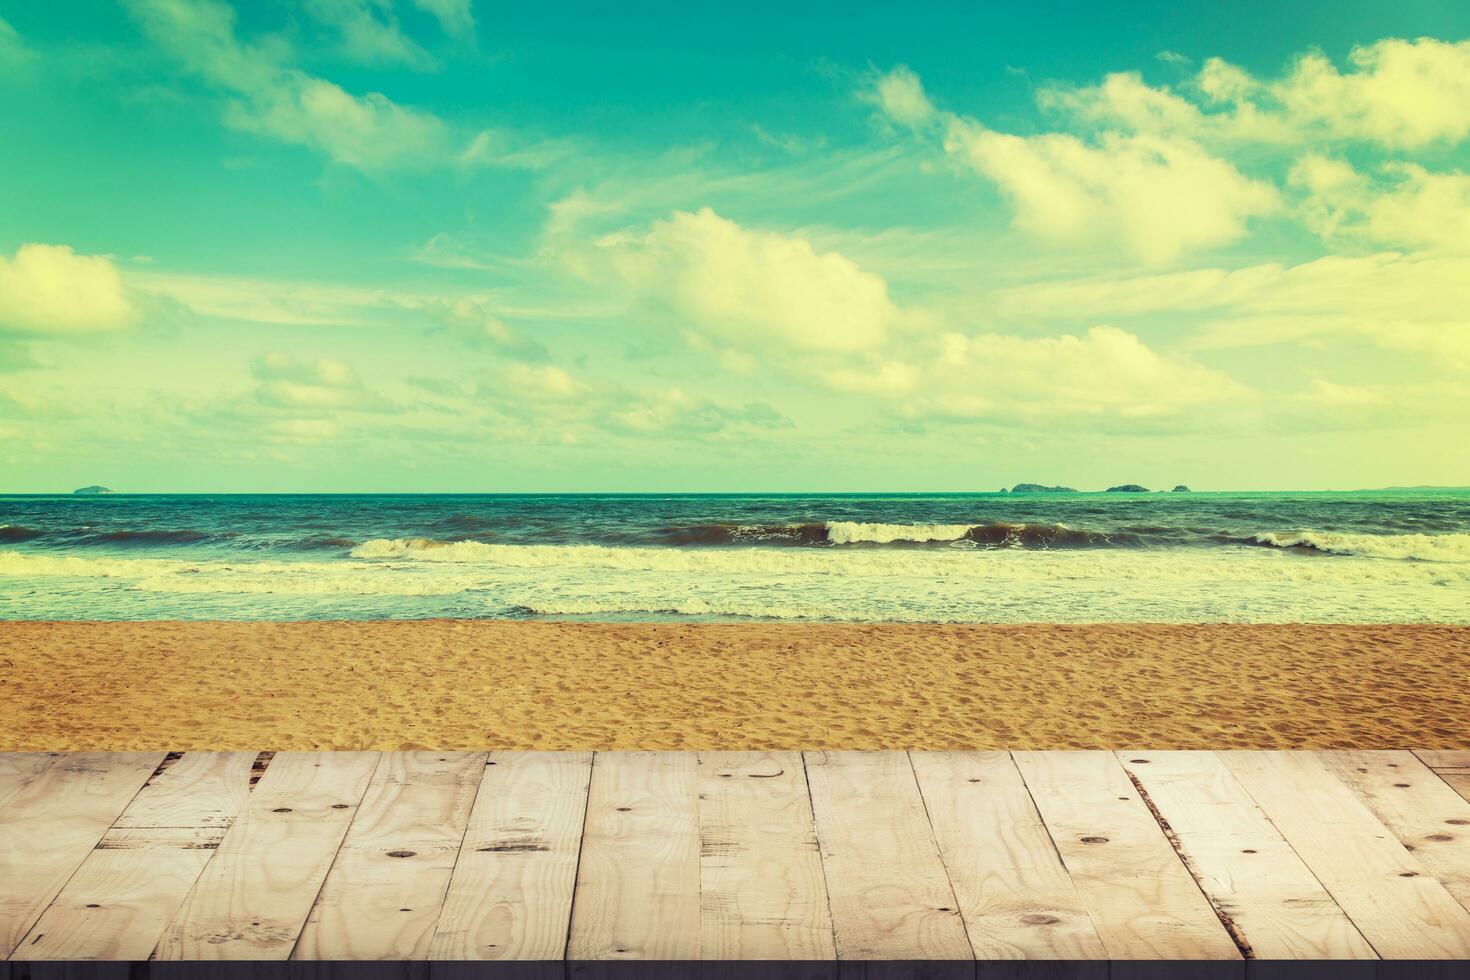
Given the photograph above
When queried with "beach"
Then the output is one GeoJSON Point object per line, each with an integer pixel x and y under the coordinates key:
{"type": "Point", "coordinates": [460, 684]}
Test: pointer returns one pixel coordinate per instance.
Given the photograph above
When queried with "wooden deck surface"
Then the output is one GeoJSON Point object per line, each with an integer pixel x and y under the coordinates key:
{"type": "Point", "coordinates": [735, 855]}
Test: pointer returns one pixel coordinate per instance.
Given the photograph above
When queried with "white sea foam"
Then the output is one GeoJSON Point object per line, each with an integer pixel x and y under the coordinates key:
{"type": "Point", "coordinates": [852, 532]}
{"type": "Point", "coordinates": [1419, 547]}
{"type": "Point", "coordinates": [466, 578]}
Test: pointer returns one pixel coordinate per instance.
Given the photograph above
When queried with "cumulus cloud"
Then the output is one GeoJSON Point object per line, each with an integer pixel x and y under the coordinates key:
{"type": "Point", "coordinates": [557, 406]}
{"type": "Point", "coordinates": [1408, 302]}
{"type": "Point", "coordinates": [991, 377]}
{"type": "Point", "coordinates": [470, 320]}
{"type": "Point", "coordinates": [740, 288]}
{"type": "Point", "coordinates": [1397, 93]}
{"type": "Point", "coordinates": [49, 289]}
{"type": "Point", "coordinates": [286, 382]}
{"type": "Point", "coordinates": [1400, 93]}
{"type": "Point", "coordinates": [1154, 196]}
{"type": "Point", "coordinates": [1406, 207]}
{"type": "Point", "coordinates": [369, 132]}
{"type": "Point", "coordinates": [900, 95]}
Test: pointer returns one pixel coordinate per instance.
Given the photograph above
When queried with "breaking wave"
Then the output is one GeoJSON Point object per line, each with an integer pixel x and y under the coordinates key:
{"type": "Point", "coordinates": [1411, 547]}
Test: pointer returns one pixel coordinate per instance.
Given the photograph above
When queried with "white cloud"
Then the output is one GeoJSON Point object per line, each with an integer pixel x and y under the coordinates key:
{"type": "Point", "coordinates": [1106, 371]}
{"type": "Point", "coordinates": [1408, 207]}
{"type": "Point", "coordinates": [1125, 100]}
{"type": "Point", "coordinates": [274, 366]}
{"type": "Point", "coordinates": [1154, 197]}
{"type": "Point", "coordinates": [369, 32]}
{"type": "Point", "coordinates": [1400, 94]}
{"type": "Point", "coordinates": [900, 95]}
{"type": "Point", "coordinates": [49, 289]}
{"type": "Point", "coordinates": [284, 382]}
{"type": "Point", "coordinates": [302, 432]}
{"type": "Point", "coordinates": [559, 407]}
{"type": "Point", "coordinates": [740, 288]}
{"type": "Point", "coordinates": [369, 132]}
{"type": "Point", "coordinates": [472, 322]}
{"type": "Point", "coordinates": [454, 16]}
{"type": "Point", "coordinates": [13, 50]}
{"type": "Point", "coordinates": [1409, 302]}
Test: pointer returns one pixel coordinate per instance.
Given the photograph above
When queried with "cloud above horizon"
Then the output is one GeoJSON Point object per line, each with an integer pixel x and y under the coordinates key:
{"type": "Point", "coordinates": [263, 95]}
{"type": "Point", "coordinates": [49, 289]}
{"type": "Point", "coordinates": [426, 243]}
{"type": "Point", "coordinates": [744, 289]}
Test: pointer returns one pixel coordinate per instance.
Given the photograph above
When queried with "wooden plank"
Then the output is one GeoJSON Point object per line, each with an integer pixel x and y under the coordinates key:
{"type": "Point", "coordinates": [19, 769]}
{"type": "Point", "coordinates": [889, 894]}
{"type": "Point", "coordinates": [196, 790]}
{"type": "Point", "coordinates": [637, 894]}
{"type": "Point", "coordinates": [1395, 904]}
{"type": "Point", "coordinates": [382, 896]}
{"type": "Point", "coordinates": [1425, 814]}
{"type": "Point", "coordinates": [510, 897]}
{"type": "Point", "coordinates": [1444, 758]}
{"type": "Point", "coordinates": [1457, 781]}
{"type": "Point", "coordinates": [1141, 897]}
{"type": "Point", "coordinates": [1016, 898]}
{"type": "Point", "coordinates": [253, 897]}
{"type": "Point", "coordinates": [117, 904]}
{"type": "Point", "coordinates": [763, 893]}
{"type": "Point", "coordinates": [54, 817]}
{"type": "Point", "coordinates": [1246, 868]}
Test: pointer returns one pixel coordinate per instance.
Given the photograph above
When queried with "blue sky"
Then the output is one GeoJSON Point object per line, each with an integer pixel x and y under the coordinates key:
{"type": "Point", "coordinates": [429, 245]}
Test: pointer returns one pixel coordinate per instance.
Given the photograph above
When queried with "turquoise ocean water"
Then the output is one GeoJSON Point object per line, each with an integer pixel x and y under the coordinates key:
{"type": "Point", "coordinates": [1372, 556]}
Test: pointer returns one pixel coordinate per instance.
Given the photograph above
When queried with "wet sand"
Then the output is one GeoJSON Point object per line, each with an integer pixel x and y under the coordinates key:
{"type": "Point", "coordinates": [468, 684]}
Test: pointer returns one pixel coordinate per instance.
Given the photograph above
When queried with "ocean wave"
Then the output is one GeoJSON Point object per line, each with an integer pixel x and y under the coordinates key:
{"type": "Point", "coordinates": [865, 585]}
{"type": "Point", "coordinates": [852, 532]}
{"type": "Point", "coordinates": [17, 533]}
{"type": "Point", "coordinates": [1411, 547]}
{"type": "Point", "coordinates": [693, 535]}
{"type": "Point", "coordinates": [995, 534]}
{"type": "Point", "coordinates": [149, 536]}
{"type": "Point", "coordinates": [1045, 566]}
{"type": "Point", "coordinates": [322, 543]}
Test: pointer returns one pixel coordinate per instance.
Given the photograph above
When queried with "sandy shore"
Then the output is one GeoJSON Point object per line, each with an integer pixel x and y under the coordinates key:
{"type": "Point", "coordinates": [462, 684]}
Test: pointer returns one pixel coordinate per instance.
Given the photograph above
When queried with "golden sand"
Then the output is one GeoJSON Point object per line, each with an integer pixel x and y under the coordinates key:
{"type": "Point", "coordinates": [463, 684]}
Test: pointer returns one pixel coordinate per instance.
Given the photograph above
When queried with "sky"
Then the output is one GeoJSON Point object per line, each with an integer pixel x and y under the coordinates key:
{"type": "Point", "coordinates": [443, 245]}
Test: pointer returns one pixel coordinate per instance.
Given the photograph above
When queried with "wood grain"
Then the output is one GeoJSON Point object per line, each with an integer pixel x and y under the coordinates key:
{"type": "Point", "coordinates": [128, 888]}
{"type": "Point", "coordinates": [1243, 864]}
{"type": "Point", "coordinates": [510, 897]}
{"type": "Point", "coordinates": [52, 819]}
{"type": "Point", "coordinates": [1140, 895]}
{"type": "Point", "coordinates": [1017, 900]}
{"type": "Point", "coordinates": [1394, 902]}
{"type": "Point", "coordinates": [637, 893]}
{"type": "Point", "coordinates": [253, 897]}
{"type": "Point", "coordinates": [1426, 815]}
{"type": "Point", "coordinates": [763, 895]}
{"type": "Point", "coordinates": [382, 896]}
{"type": "Point", "coordinates": [889, 894]}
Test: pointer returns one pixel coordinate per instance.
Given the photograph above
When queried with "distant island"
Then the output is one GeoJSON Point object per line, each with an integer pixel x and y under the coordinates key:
{"type": "Point", "coordinates": [1181, 488]}
{"type": "Point", "coordinates": [1038, 488]}
{"type": "Point", "coordinates": [93, 491]}
{"type": "Point", "coordinates": [1127, 488]}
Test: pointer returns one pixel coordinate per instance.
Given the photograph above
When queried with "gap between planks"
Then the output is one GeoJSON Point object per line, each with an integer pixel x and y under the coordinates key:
{"type": "Point", "coordinates": [1441, 863]}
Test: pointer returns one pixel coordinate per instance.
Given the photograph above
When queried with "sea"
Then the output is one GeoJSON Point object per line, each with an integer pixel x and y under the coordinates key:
{"type": "Point", "coordinates": [1385, 556]}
